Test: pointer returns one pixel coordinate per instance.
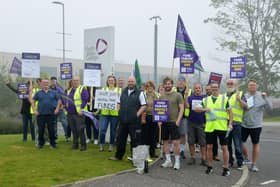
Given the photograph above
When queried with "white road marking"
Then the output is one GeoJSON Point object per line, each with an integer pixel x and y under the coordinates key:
{"type": "Point", "coordinates": [268, 182]}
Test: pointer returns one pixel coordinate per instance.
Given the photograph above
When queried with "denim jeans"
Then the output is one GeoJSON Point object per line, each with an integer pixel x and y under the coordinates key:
{"type": "Point", "coordinates": [235, 135]}
{"type": "Point", "coordinates": [61, 117]}
{"type": "Point", "coordinates": [27, 119]}
{"type": "Point", "coordinates": [105, 120]}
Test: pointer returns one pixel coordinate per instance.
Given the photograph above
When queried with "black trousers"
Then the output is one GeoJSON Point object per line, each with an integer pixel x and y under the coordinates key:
{"type": "Point", "coordinates": [134, 131]}
{"type": "Point", "coordinates": [42, 121]}
{"type": "Point", "coordinates": [215, 148]}
{"type": "Point", "coordinates": [149, 134]}
{"type": "Point", "coordinates": [77, 125]}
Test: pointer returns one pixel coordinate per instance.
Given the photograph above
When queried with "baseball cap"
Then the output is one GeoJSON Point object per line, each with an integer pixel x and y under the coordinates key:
{"type": "Point", "coordinates": [181, 77]}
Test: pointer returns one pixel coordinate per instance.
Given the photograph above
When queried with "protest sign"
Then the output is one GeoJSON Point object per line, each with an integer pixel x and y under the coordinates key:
{"type": "Point", "coordinates": [186, 64]}
{"type": "Point", "coordinates": [30, 65]}
{"type": "Point", "coordinates": [215, 78]}
{"type": "Point", "coordinates": [23, 92]}
{"type": "Point", "coordinates": [65, 71]}
{"type": "Point", "coordinates": [92, 74]}
{"type": "Point", "coordinates": [160, 111]}
{"type": "Point", "coordinates": [107, 100]}
{"type": "Point", "coordinates": [237, 67]}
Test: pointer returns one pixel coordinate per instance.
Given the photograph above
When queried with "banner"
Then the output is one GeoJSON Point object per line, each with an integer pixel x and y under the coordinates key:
{"type": "Point", "coordinates": [65, 71]}
{"type": "Point", "coordinates": [160, 111]}
{"type": "Point", "coordinates": [16, 66]}
{"type": "Point", "coordinates": [23, 90]}
{"type": "Point", "coordinates": [237, 67]}
{"type": "Point", "coordinates": [30, 65]}
{"type": "Point", "coordinates": [183, 45]}
{"type": "Point", "coordinates": [186, 64]}
{"type": "Point", "coordinates": [107, 100]}
{"type": "Point", "coordinates": [215, 78]}
{"type": "Point", "coordinates": [92, 74]}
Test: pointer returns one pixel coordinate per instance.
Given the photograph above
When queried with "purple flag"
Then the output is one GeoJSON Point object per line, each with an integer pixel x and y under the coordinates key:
{"type": "Point", "coordinates": [91, 116]}
{"type": "Point", "coordinates": [183, 45]}
{"type": "Point", "coordinates": [16, 66]}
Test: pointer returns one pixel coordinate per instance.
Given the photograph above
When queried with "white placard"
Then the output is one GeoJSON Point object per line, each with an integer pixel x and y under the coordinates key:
{"type": "Point", "coordinates": [107, 100]}
{"type": "Point", "coordinates": [92, 75]}
{"type": "Point", "coordinates": [196, 104]}
{"type": "Point", "coordinates": [250, 101]}
{"type": "Point", "coordinates": [30, 65]}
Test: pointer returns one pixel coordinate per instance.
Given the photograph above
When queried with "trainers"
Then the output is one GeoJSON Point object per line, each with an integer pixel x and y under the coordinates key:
{"type": "Point", "coordinates": [167, 164]}
{"type": "Point", "coordinates": [191, 161]}
{"type": "Point", "coordinates": [101, 148]}
{"type": "Point", "coordinates": [226, 172]}
{"type": "Point", "coordinates": [110, 148]}
{"type": "Point", "coordinates": [53, 146]}
{"type": "Point", "coordinates": [67, 140]}
{"type": "Point", "coordinates": [209, 170]}
{"type": "Point", "coordinates": [88, 141]}
{"type": "Point", "coordinates": [246, 162]}
{"type": "Point", "coordinates": [254, 168]}
{"type": "Point", "coordinates": [95, 142]}
{"type": "Point", "coordinates": [182, 155]}
{"type": "Point", "coordinates": [176, 165]}
{"type": "Point", "coordinates": [240, 167]}
{"type": "Point", "coordinates": [197, 148]}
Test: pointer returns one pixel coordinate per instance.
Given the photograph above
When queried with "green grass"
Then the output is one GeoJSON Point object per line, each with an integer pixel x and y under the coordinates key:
{"type": "Point", "coordinates": [22, 164]}
{"type": "Point", "coordinates": [272, 119]}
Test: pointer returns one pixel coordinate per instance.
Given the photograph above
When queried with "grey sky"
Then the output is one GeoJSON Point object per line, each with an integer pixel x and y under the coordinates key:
{"type": "Point", "coordinates": [31, 25]}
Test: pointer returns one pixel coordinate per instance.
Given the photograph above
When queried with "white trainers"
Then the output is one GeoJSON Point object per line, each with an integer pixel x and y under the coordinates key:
{"type": "Point", "coordinates": [167, 164]}
{"type": "Point", "coordinates": [88, 140]}
{"type": "Point", "coordinates": [177, 166]}
{"type": "Point", "coordinates": [95, 142]}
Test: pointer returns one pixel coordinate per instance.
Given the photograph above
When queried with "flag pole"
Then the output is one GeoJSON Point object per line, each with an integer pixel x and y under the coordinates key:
{"type": "Point", "coordinates": [172, 69]}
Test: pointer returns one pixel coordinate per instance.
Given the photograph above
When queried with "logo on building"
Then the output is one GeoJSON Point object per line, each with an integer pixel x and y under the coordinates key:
{"type": "Point", "coordinates": [101, 46]}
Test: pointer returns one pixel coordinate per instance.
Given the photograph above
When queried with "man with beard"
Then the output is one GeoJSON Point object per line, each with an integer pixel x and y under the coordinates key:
{"type": "Point", "coordinates": [238, 103]}
{"type": "Point", "coordinates": [132, 104]}
{"type": "Point", "coordinates": [170, 129]}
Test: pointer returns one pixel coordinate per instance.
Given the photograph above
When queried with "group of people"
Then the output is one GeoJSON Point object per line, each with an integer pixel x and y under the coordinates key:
{"type": "Point", "coordinates": [193, 117]}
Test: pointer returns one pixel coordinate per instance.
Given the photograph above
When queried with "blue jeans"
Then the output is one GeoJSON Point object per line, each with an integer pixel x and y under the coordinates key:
{"type": "Point", "coordinates": [235, 135]}
{"type": "Point", "coordinates": [104, 125]}
{"type": "Point", "coordinates": [25, 120]}
{"type": "Point", "coordinates": [61, 117]}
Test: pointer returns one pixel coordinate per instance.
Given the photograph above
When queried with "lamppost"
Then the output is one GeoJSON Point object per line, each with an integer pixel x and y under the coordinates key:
{"type": "Point", "coordinates": [156, 18]}
{"type": "Point", "coordinates": [63, 29]}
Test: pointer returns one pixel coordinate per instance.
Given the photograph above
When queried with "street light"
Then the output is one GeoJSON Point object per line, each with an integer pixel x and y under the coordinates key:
{"type": "Point", "coordinates": [63, 29]}
{"type": "Point", "coordinates": [156, 18]}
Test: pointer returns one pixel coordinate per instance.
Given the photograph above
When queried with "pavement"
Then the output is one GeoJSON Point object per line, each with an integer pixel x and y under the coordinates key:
{"type": "Point", "coordinates": [187, 175]}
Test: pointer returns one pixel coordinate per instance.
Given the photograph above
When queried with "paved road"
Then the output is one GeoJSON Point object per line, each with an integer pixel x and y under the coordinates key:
{"type": "Point", "coordinates": [269, 160]}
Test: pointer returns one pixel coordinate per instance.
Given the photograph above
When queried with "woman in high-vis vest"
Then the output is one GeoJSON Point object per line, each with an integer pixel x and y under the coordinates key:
{"type": "Point", "coordinates": [109, 116]}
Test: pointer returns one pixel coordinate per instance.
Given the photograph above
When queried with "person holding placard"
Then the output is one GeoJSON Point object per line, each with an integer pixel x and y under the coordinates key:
{"type": "Point", "coordinates": [196, 124]}
{"type": "Point", "coordinates": [218, 122]}
{"type": "Point", "coordinates": [79, 97]}
{"type": "Point", "coordinates": [25, 114]}
{"type": "Point", "coordinates": [170, 129]}
{"type": "Point", "coordinates": [252, 121]}
{"type": "Point", "coordinates": [109, 116]}
{"type": "Point", "coordinates": [237, 102]}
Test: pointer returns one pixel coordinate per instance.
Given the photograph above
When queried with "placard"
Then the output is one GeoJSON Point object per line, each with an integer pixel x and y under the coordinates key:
{"type": "Point", "coordinates": [215, 78]}
{"type": "Point", "coordinates": [30, 65]}
{"type": "Point", "coordinates": [237, 67]}
{"type": "Point", "coordinates": [23, 90]}
{"type": "Point", "coordinates": [186, 64]}
{"type": "Point", "coordinates": [107, 100]}
{"type": "Point", "coordinates": [65, 71]}
{"type": "Point", "coordinates": [160, 111]}
{"type": "Point", "coordinates": [92, 74]}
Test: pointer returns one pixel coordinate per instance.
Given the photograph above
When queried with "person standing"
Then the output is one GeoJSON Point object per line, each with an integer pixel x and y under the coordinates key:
{"type": "Point", "coordinates": [79, 97]}
{"type": "Point", "coordinates": [131, 106]}
{"type": "Point", "coordinates": [196, 124]}
{"type": "Point", "coordinates": [218, 121]}
{"type": "Point", "coordinates": [109, 116]}
{"type": "Point", "coordinates": [252, 121]}
{"type": "Point", "coordinates": [25, 114]}
{"type": "Point", "coordinates": [46, 112]}
{"type": "Point", "coordinates": [170, 129]}
{"type": "Point", "coordinates": [149, 128]}
{"type": "Point", "coordinates": [238, 103]}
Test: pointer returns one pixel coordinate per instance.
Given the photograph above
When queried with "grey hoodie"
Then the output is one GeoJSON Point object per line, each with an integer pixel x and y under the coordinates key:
{"type": "Point", "coordinates": [253, 116]}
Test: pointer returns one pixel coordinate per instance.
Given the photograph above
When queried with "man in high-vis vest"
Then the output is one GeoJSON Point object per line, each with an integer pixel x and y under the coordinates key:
{"type": "Point", "coordinates": [109, 116]}
{"type": "Point", "coordinates": [183, 89]}
{"type": "Point", "coordinates": [238, 103]}
{"type": "Point", "coordinates": [79, 97]}
{"type": "Point", "coordinates": [218, 122]}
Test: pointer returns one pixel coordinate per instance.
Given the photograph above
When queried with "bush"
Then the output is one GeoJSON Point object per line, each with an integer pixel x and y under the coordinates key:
{"type": "Point", "coordinates": [10, 126]}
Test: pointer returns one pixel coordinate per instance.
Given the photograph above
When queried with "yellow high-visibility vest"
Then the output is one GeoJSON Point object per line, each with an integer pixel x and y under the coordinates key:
{"type": "Point", "coordinates": [105, 112]}
{"type": "Point", "coordinates": [34, 91]}
{"type": "Point", "coordinates": [237, 110]}
{"type": "Point", "coordinates": [187, 110]}
{"type": "Point", "coordinates": [219, 109]}
{"type": "Point", "coordinates": [77, 98]}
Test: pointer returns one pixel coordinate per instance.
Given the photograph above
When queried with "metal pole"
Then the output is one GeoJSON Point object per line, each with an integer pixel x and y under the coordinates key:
{"type": "Point", "coordinates": [63, 33]}
{"type": "Point", "coordinates": [155, 47]}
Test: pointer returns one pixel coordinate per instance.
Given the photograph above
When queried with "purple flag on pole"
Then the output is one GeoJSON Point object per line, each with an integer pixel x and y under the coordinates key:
{"type": "Point", "coordinates": [183, 45]}
{"type": "Point", "coordinates": [16, 66]}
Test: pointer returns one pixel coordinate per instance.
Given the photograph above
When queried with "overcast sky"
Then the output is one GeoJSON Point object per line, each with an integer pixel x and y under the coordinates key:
{"type": "Point", "coordinates": [31, 26]}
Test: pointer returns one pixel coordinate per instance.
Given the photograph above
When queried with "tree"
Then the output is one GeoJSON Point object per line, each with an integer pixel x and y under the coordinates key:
{"type": "Point", "coordinates": [251, 28]}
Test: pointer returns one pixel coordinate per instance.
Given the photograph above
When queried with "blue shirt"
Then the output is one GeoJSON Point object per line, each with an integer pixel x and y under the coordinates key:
{"type": "Point", "coordinates": [46, 101]}
{"type": "Point", "coordinates": [196, 117]}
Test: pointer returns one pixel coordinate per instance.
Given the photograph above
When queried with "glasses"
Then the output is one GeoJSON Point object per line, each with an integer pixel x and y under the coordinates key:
{"type": "Point", "coordinates": [229, 83]}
